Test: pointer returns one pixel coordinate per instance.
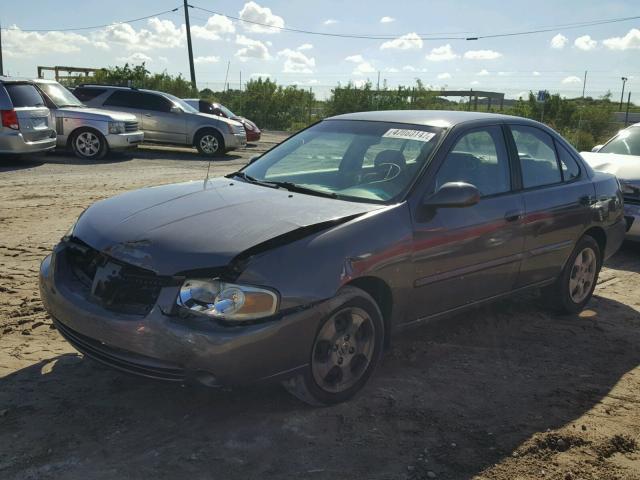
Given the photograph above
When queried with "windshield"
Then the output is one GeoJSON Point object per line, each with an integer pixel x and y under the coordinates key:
{"type": "Point", "coordinates": [184, 105]}
{"type": "Point", "coordinates": [228, 113]}
{"type": "Point", "coordinates": [367, 161]}
{"type": "Point", "coordinates": [60, 95]}
{"type": "Point", "coordinates": [627, 142]}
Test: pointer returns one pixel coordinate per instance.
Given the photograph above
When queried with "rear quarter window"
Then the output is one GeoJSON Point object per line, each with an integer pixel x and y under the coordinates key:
{"type": "Point", "coordinates": [86, 94]}
{"type": "Point", "coordinates": [24, 95]}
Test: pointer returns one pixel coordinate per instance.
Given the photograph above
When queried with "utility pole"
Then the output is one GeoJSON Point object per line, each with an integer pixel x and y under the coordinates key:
{"type": "Point", "coordinates": [624, 80]}
{"type": "Point", "coordinates": [1, 66]}
{"type": "Point", "coordinates": [240, 80]}
{"type": "Point", "coordinates": [626, 116]}
{"type": "Point", "coordinates": [584, 83]}
{"type": "Point", "coordinates": [226, 77]}
{"type": "Point", "coordinates": [189, 47]}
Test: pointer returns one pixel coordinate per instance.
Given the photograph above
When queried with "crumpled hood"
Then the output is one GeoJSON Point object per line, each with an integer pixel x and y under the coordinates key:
{"type": "Point", "coordinates": [625, 167]}
{"type": "Point", "coordinates": [189, 226]}
{"type": "Point", "coordinates": [95, 114]}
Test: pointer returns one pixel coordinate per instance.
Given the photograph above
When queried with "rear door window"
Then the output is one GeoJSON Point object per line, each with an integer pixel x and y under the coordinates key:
{"type": "Point", "coordinates": [125, 98]}
{"type": "Point", "coordinates": [154, 102]}
{"type": "Point", "coordinates": [24, 95]}
{"type": "Point", "coordinates": [537, 156]}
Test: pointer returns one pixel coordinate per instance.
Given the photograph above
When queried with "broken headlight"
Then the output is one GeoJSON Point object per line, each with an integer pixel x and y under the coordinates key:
{"type": "Point", "coordinates": [227, 301]}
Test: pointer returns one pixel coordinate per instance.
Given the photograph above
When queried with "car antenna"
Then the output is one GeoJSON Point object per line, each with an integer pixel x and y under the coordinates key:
{"type": "Point", "coordinates": [206, 179]}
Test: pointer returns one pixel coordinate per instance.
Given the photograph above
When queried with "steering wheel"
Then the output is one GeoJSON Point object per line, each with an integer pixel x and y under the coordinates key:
{"type": "Point", "coordinates": [392, 171]}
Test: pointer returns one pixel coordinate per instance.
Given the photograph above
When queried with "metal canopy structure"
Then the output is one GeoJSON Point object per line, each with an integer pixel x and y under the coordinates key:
{"type": "Point", "coordinates": [473, 96]}
{"type": "Point", "coordinates": [68, 70]}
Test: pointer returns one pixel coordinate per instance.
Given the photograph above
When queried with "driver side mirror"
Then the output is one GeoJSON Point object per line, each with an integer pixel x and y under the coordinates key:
{"type": "Point", "coordinates": [176, 109]}
{"type": "Point", "coordinates": [453, 195]}
{"type": "Point", "coordinates": [597, 148]}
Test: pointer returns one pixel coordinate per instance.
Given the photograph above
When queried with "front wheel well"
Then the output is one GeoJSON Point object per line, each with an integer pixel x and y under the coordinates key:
{"type": "Point", "coordinates": [203, 130]}
{"type": "Point", "coordinates": [82, 128]}
{"type": "Point", "coordinates": [381, 293]}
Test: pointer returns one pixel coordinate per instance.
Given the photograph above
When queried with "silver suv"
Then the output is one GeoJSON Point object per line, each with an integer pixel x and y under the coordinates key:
{"type": "Point", "coordinates": [25, 123]}
{"type": "Point", "coordinates": [167, 119]}
{"type": "Point", "coordinates": [89, 132]}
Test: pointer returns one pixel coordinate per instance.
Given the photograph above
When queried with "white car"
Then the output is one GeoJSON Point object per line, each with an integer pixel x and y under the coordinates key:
{"type": "Point", "coordinates": [621, 157]}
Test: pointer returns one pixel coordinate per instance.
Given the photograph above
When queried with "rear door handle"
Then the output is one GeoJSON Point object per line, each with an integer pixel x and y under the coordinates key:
{"type": "Point", "coordinates": [513, 215]}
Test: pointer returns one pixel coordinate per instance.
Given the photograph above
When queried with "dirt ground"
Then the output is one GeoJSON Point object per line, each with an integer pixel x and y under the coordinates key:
{"type": "Point", "coordinates": [506, 392]}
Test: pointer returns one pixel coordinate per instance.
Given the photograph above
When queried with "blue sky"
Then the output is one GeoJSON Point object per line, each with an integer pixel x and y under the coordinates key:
{"type": "Point", "coordinates": [554, 60]}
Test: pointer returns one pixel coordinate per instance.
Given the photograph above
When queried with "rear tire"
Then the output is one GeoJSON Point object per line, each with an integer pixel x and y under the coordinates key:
{"type": "Point", "coordinates": [346, 350]}
{"type": "Point", "coordinates": [574, 287]}
{"type": "Point", "coordinates": [88, 144]}
{"type": "Point", "coordinates": [209, 143]}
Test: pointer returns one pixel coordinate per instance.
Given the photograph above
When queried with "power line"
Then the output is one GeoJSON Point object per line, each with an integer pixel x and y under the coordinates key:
{"type": "Point", "coordinates": [93, 27]}
{"type": "Point", "coordinates": [567, 26]}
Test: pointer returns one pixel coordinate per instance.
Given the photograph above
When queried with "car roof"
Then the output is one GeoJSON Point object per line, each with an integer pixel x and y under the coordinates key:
{"type": "Point", "coordinates": [432, 118]}
{"type": "Point", "coordinates": [5, 79]}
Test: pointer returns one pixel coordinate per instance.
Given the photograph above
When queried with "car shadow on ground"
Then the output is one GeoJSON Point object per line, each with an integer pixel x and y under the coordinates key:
{"type": "Point", "coordinates": [9, 163]}
{"type": "Point", "coordinates": [464, 393]}
{"type": "Point", "coordinates": [627, 258]}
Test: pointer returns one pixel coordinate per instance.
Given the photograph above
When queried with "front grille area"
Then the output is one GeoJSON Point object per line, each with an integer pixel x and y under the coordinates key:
{"type": "Point", "coordinates": [115, 285]}
{"type": "Point", "coordinates": [130, 127]}
{"type": "Point", "coordinates": [121, 359]}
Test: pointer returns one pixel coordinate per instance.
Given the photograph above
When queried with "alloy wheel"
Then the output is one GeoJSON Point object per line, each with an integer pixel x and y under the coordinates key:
{"type": "Point", "coordinates": [343, 349]}
{"type": "Point", "coordinates": [209, 144]}
{"type": "Point", "coordinates": [87, 144]}
{"type": "Point", "coordinates": [583, 274]}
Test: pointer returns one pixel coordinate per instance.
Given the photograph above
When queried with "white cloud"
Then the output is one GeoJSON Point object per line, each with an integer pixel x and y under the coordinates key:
{"type": "Point", "coordinates": [251, 49]}
{"type": "Point", "coordinates": [559, 41]}
{"type": "Point", "coordinates": [391, 70]}
{"type": "Point", "coordinates": [535, 74]}
{"type": "Point", "coordinates": [585, 42]}
{"type": "Point", "coordinates": [311, 81]}
{"type": "Point", "coordinates": [475, 82]}
{"type": "Point", "coordinates": [216, 26]}
{"type": "Point", "coordinates": [444, 76]}
{"type": "Point", "coordinates": [160, 34]}
{"type": "Point", "coordinates": [439, 54]}
{"type": "Point", "coordinates": [260, 75]}
{"type": "Point", "coordinates": [209, 59]}
{"type": "Point", "coordinates": [630, 41]}
{"type": "Point", "coordinates": [481, 55]}
{"type": "Point", "coordinates": [330, 21]}
{"type": "Point", "coordinates": [410, 41]}
{"type": "Point", "coordinates": [253, 12]}
{"type": "Point", "coordinates": [387, 19]}
{"type": "Point", "coordinates": [362, 66]}
{"type": "Point", "coordinates": [483, 73]}
{"type": "Point", "coordinates": [135, 58]}
{"type": "Point", "coordinates": [571, 79]}
{"type": "Point", "coordinates": [163, 59]}
{"type": "Point", "coordinates": [305, 46]}
{"type": "Point", "coordinates": [19, 43]}
{"type": "Point", "coordinates": [355, 58]}
{"type": "Point", "coordinates": [359, 83]}
{"type": "Point", "coordinates": [522, 95]}
{"type": "Point", "coordinates": [296, 61]}
{"type": "Point", "coordinates": [504, 74]}
{"type": "Point", "coordinates": [409, 68]}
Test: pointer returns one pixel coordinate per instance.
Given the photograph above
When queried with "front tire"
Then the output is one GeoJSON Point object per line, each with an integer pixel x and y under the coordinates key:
{"type": "Point", "coordinates": [574, 287]}
{"type": "Point", "coordinates": [209, 143]}
{"type": "Point", "coordinates": [88, 144]}
{"type": "Point", "coordinates": [346, 350]}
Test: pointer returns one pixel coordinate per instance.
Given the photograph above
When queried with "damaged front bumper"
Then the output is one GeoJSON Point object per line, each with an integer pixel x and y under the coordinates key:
{"type": "Point", "coordinates": [165, 345]}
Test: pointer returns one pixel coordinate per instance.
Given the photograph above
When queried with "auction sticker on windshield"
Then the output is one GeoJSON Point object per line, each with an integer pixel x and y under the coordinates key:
{"type": "Point", "coordinates": [408, 134]}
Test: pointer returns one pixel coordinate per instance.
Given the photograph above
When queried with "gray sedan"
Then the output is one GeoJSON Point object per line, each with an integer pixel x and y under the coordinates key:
{"type": "Point", "coordinates": [301, 266]}
{"type": "Point", "coordinates": [167, 119]}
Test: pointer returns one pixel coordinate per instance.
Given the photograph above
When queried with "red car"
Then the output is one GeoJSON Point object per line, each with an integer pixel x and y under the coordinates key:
{"type": "Point", "coordinates": [205, 106]}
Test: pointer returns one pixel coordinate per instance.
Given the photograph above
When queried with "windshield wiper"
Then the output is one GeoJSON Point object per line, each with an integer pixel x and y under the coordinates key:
{"type": "Point", "coordinates": [251, 179]}
{"type": "Point", "coordinates": [294, 187]}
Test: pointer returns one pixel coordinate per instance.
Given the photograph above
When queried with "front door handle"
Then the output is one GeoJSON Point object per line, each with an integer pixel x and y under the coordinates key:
{"type": "Point", "coordinates": [513, 215]}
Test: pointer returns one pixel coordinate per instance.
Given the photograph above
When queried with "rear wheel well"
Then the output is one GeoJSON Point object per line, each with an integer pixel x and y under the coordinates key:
{"type": "Point", "coordinates": [598, 234]}
{"type": "Point", "coordinates": [381, 293]}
